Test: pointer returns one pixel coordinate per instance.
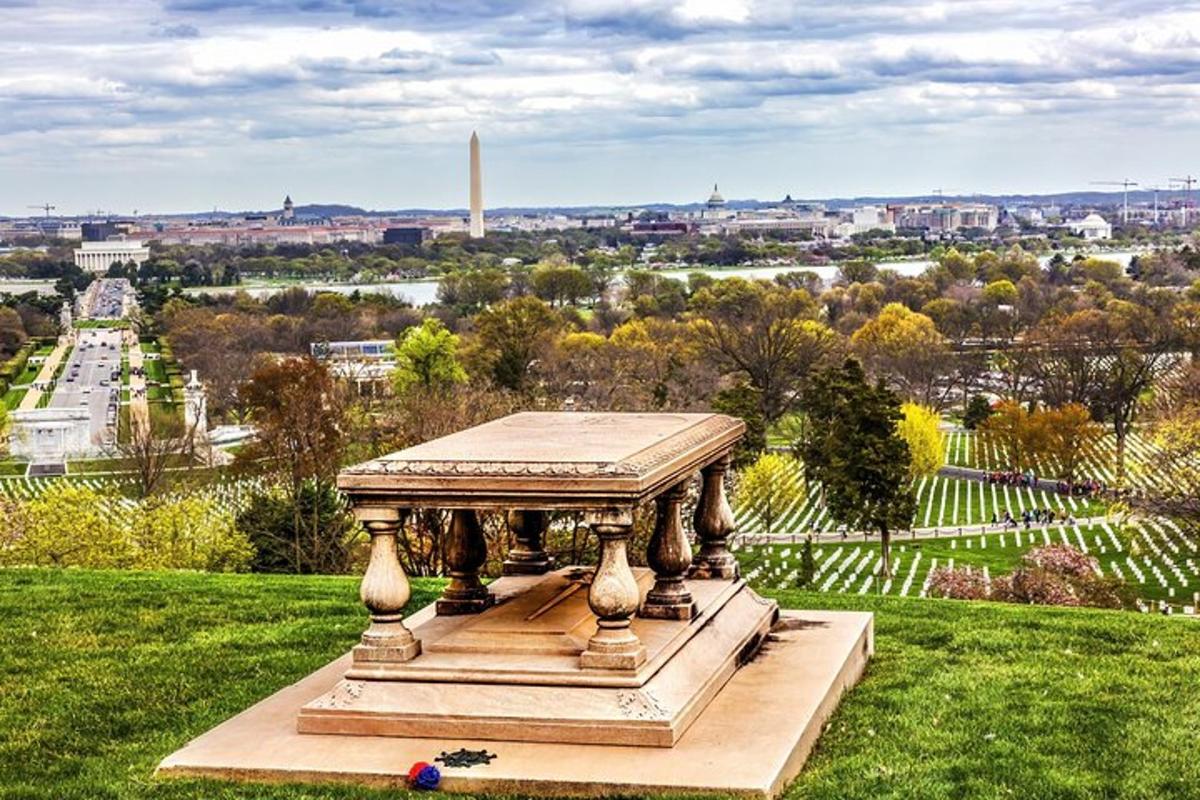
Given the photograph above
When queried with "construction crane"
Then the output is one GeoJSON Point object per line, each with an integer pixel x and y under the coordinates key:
{"type": "Point", "coordinates": [45, 207]}
{"type": "Point", "coordinates": [1188, 183]}
{"type": "Point", "coordinates": [1156, 190]}
{"type": "Point", "coordinates": [1125, 184]}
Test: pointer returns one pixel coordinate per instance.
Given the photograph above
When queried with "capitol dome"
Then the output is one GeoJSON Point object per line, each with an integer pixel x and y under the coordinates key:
{"type": "Point", "coordinates": [715, 200]}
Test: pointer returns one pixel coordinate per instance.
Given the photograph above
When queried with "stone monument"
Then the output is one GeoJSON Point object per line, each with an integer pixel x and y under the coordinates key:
{"type": "Point", "coordinates": [476, 189]}
{"type": "Point", "coordinates": [577, 680]}
{"type": "Point", "coordinates": [195, 408]}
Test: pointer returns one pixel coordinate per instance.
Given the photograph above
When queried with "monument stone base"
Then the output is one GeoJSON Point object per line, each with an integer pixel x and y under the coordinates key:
{"type": "Point", "coordinates": [731, 702]}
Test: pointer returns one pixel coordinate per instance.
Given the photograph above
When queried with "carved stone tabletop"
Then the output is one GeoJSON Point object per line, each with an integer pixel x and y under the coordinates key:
{"type": "Point", "coordinates": [548, 460]}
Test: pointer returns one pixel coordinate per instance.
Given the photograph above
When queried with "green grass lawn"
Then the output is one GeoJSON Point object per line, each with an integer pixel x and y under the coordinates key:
{"type": "Point", "coordinates": [13, 398]}
{"type": "Point", "coordinates": [102, 323]}
{"type": "Point", "coordinates": [105, 673]}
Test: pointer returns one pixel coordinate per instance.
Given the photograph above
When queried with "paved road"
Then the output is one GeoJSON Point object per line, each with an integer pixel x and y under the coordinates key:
{"type": "Point", "coordinates": [97, 355]}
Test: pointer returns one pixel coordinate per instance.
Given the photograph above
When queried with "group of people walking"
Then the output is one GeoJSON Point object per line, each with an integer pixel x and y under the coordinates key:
{"type": "Point", "coordinates": [1030, 517]}
{"type": "Point", "coordinates": [1084, 488]}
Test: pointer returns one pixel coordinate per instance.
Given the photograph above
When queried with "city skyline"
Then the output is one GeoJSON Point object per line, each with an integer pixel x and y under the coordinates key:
{"type": "Point", "coordinates": [181, 105]}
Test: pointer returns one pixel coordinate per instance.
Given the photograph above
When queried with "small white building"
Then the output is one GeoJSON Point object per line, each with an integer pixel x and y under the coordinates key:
{"type": "Point", "coordinates": [51, 435]}
{"type": "Point", "coordinates": [1091, 227]}
{"type": "Point", "coordinates": [99, 256]}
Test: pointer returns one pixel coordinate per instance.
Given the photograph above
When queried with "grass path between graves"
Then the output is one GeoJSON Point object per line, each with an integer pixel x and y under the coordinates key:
{"type": "Point", "coordinates": [104, 673]}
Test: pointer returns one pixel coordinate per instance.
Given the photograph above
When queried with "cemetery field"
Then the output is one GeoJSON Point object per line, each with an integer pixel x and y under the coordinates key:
{"type": "Point", "coordinates": [946, 503]}
{"type": "Point", "coordinates": [1151, 557]}
{"type": "Point", "coordinates": [229, 494]}
{"type": "Point", "coordinates": [107, 672]}
{"type": "Point", "coordinates": [967, 449]}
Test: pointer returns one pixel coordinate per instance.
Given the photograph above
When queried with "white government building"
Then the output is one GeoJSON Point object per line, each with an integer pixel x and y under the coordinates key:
{"type": "Point", "coordinates": [99, 256]}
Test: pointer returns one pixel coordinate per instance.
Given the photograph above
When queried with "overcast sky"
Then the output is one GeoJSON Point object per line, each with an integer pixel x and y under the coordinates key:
{"type": "Point", "coordinates": [173, 105]}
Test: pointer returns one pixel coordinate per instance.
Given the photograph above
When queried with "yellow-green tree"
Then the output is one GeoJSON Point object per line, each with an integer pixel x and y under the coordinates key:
{"type": "Point", "coordinates": [1066, 434]}
{"type": "Point", "coordinates": [770, 487]}
{"type": "Point", "coordinates": [918, 426]}
{"type": "Point", "coordinates": [69, 525]}
{"type": "Point", "coordinates": [905, 349]}
{"type": "Point", "coordinates": [427, 359]}
{"type": "Point", "coordinates": [190, 532]}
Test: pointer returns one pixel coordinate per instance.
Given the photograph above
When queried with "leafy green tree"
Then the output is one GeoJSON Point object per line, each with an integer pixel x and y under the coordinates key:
{"type": "Point", "coordinates": [323, 527]}
{"type": "Point", "coordinates": [742, 400]}
{"type": "Point", "coordinates": [427, 359]}
{"type": "Point", "coordinates": [560, 283]}
{"type": "Point", "coordinates": [852, 447]}
{"type": "Point", "coordinates": [770, 487]}
{"type": "Point", "coordinates": [511, 336]}
{"type": "Point", "coordinates": [808, 565]}
{"type": "Point", "coordinates": [977, 412]}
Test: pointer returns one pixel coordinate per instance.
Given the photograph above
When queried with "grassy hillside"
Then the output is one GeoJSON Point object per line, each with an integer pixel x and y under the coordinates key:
{"type": "Point", "coordinates": [104, 673]}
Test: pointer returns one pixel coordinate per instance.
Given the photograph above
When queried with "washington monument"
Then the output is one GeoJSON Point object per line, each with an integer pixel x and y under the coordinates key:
{"type": "Point", "coordinates": [476, 190]}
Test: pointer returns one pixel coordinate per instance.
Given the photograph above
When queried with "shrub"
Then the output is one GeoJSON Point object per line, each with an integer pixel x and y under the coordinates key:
{"type": "Point", "coordinates": [1056, 575]}
{"type": "Point", "coordinates": [962, 583]}
{"type": "Point", "coordinates": [72, 525]}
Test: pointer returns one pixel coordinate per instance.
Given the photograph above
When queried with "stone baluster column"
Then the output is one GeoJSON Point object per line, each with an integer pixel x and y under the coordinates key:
{"type": "Point", "coordinates": [613, 598]}
{"type": "Point", "coordinates": [384, 590]}
{"type": "Point", "coordinates": [528, 556]}
{"type": "Point", "coordinates": [466, 553]}
{"type": "Point", "coordinates": [713, 522]}
{"type": "Point", "coordinates": [669, 554]}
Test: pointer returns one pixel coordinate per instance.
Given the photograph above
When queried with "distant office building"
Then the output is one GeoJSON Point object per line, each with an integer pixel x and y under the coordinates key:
{"type": "Point", "coordinates": [411, 235]}
{"type": "Point", "coordinates": [943, 217]}
{"type": "Point", "coordinates": [659, 228]}
{"type": "Point", "coordinates": [870, 218]}
{"type": "Point", "coordinates": [365, 350]}
{"type": "Point", "coordinates": [369, 363]}
{"type": "Point", "coordinates": [1091, 227]}
{"type": "Point", "coordinates": [99, 256]}
{"type": "Point", "coordinates": [98, 231]}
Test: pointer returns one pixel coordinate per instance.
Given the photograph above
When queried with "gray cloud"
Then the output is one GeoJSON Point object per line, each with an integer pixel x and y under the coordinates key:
{"type": "Point", "coordinates": [350, 79]}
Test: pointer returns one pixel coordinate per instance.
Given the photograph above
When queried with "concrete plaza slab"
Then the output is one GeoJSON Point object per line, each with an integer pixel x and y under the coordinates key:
{"type": "Point", "coordinates": [751, 740]}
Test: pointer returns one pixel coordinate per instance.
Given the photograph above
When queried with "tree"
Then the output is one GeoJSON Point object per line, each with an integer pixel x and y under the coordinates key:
{"type": "Point", "coordinates": [1068, 434]}
{"type": "Point", "coordinates": [1064, 360]}
{"type": "Point", "coordinates": [1011, 435]}
{"type": "Point", "coordinates": [68, 525]}
{"type": "Point", "coordinates": [12, 331]}
{"type": "Point", "coordinates": [919, 427]}
{"type": "Point", "coordinates": [1175, 490]}
{"type": "Point", "coordinates": [766, 333]}
{"type": "Point", "coordinates": [1134, 349]}
{"type": "Point", "coordinates": [427, 359]}
{"type": "Point", "coordinates": [301, 422]}
{"type": "Point", "coordinates": [560, 283]}
{"type": "Point", "coordinates": [510, 337]}
{"type": "Point", "coordinates": [152, 449]}
{"type": "Point", "coordinates": [905, 349]}
{"type": "Point", "coordinates": [808, 564]}
{"type": "Point", "coordinates": [472, 290]}
{"type": "Point", "coordinates": [312, 532]}
{"type": "Point", "coordinates": [769, 487]}
{"type": "Point", "coordinates": [977, 412]}
{"type": "Point", "coordinates": [852, 448]}
{"type": "Point", "coordinates": [188, 532]}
